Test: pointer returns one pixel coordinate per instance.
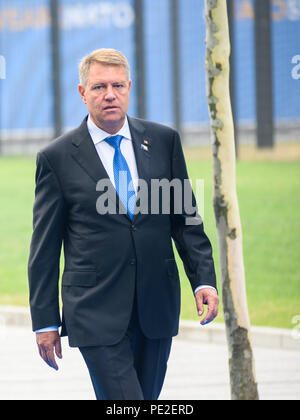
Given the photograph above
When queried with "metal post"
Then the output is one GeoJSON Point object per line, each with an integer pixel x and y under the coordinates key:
{"type": "Point", "coordinates": [56, 68]}
{"type": "Point", "coordinates": [174, 5]}
{"type": "Point", "coordinates": [264, 89]}
{"type": "Point", "coordinates": [140, 58]}
{"type": "Point", "coordinates": [231, 17]}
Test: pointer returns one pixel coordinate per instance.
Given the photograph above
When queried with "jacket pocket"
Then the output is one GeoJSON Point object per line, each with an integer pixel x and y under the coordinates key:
{"type": "Point", "coordinates": [79, 278]}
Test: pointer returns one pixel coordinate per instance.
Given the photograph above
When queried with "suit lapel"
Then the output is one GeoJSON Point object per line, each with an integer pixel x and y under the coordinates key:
{"type": "Point", "coordinates": [86, 155]}
{"type": "Point", "coordinates": [142, 151]}
{"type": "Point", "coordinates": [142, 155]}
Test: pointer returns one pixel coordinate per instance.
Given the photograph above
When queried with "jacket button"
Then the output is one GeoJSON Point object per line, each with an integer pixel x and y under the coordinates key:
{"type": "Point", "coordinates": [133, 228]}
{"type": "Point", "coordinates": [132, 262]}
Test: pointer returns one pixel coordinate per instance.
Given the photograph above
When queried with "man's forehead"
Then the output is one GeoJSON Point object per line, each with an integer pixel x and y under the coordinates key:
{"type": "Point", "coordinates": [106, 70]}
{"type": "Point", "coordinates": [106, 74]}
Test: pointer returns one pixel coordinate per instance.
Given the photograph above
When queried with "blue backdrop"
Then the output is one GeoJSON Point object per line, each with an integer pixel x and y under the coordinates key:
{"type": "Point", "coordinates": [26, 93]}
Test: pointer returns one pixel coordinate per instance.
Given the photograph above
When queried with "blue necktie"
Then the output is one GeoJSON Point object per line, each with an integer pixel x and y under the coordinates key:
{"type": "Point", "coordinates": [123, 180]}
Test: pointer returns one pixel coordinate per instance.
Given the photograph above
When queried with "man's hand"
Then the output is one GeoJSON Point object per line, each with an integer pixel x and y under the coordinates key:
{"type": "Point", "coordinates": [210, 297]}
{"type": "Point", "coordinates": [47, 341]}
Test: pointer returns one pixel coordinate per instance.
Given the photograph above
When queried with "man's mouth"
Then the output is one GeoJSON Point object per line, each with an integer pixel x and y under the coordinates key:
{"type": "Point", "coordinates": [111, 108]}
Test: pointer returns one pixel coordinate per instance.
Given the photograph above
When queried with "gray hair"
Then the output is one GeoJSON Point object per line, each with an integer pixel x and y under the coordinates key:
{"type": "Point", "coordinates": [106, 56]}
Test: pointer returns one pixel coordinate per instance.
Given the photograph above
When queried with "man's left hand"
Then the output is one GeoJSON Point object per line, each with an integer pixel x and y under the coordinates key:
{"type": "Point", "coordinates": [210, 297]}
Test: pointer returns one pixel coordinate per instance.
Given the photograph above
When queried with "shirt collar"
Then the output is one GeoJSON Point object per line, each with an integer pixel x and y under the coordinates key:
{"type": "Point", "coordinates": [99, 135]}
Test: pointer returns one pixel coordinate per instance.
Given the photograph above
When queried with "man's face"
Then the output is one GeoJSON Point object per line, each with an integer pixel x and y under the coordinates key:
{"type": "Point", "coordinates": [107, 96]}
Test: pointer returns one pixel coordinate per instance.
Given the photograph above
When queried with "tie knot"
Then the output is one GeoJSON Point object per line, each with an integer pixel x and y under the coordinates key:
{"type": "Point", "coordinates": [114, 141]}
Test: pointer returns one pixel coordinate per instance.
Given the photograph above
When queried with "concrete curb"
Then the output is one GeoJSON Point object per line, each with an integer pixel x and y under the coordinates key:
{"type": "Point", "coordinates": [14, 316]}
{"type": "Point", "coordinates": [189, 330]}
{"type": "Point", "coordinates": [261, 336]}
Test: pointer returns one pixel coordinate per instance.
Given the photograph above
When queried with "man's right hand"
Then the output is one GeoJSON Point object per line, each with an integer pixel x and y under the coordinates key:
{"type": "Point", "coordinates": [47, 342]}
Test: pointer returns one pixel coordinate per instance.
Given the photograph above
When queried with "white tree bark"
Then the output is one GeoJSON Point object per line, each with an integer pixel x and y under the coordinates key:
{"type": "Point", "coordinates": [241, 362]}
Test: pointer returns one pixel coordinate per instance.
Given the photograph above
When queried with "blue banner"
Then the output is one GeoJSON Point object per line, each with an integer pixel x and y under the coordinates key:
{"type": "Point", "coordinates": [26, 93]}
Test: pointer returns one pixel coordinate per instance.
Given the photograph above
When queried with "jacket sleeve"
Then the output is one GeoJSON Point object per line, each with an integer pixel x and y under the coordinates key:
{"type": "Point", "coordinates": [45, 249]}
{"type": "Point", "coordinates": [188, 233]}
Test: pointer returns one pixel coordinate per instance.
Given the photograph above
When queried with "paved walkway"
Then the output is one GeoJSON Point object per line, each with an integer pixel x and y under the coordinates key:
{"type": "Point", "coordinates": [197, 371]}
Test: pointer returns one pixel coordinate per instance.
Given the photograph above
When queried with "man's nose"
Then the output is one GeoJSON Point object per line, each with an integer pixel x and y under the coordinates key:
{"type": "Point", "coordinates": [110, 94]}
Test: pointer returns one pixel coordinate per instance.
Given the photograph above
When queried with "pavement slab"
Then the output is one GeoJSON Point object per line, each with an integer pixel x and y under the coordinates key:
{"type": "Point", "coordinates": [197, 370]}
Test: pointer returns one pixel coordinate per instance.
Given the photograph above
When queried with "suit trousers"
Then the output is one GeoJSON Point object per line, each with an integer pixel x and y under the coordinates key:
{"type": "Point", "coordinates": [133, 369]}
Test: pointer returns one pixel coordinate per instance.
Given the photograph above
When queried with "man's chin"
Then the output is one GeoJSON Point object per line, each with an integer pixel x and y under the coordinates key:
{"type": "Point", "coordinates": [111, 122]}
{"type": "Point", "coordinates": [114, 119]}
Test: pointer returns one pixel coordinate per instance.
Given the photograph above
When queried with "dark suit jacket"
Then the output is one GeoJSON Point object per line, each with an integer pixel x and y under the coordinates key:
{"type": "Point", "coordinates": [107, 256]}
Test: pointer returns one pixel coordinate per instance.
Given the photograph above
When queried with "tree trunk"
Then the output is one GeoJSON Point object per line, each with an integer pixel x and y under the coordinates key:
{"type": "Point", "coordinates": [241, 362]}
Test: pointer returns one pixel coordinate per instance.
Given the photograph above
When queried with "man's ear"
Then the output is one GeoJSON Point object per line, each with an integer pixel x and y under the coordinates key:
{"type": "Point", "coordinates": [81, 90]}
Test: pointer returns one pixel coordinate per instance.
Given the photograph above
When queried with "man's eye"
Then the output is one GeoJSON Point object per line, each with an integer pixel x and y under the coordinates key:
{"type": "Point", "coordinates": [118, 85]}
{"type": "Point", "coordinates": [99, 87]}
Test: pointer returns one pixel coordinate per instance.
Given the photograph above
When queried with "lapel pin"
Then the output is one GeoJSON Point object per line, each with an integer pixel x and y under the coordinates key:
{"type": "Point", "coordinates": [146, 142]}
{"type": "Point", "coordinates": [144, 147]}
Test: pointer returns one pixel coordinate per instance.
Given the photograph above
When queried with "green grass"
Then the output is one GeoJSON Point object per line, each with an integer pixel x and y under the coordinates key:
{"type": "Point", "coordinates": [16, 192]}
{"type": "Point", "coordinates": [269, 203]}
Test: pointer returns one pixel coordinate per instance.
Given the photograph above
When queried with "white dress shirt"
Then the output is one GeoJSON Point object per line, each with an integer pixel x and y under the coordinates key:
{"type": "Point", "coordinates": [106, 155]}
{"type": "Point", "coordinates": [106, 152]}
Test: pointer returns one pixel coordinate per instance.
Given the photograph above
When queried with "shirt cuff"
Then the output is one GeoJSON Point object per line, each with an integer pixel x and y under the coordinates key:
{"type": "Point", "coordinates": [48, 329]}
{"type": "Point", "coordinates": [204, 287]}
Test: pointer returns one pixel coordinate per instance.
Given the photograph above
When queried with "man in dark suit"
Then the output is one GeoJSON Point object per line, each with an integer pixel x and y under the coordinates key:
{"type": "Point", "coordinates": [120, 285]}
